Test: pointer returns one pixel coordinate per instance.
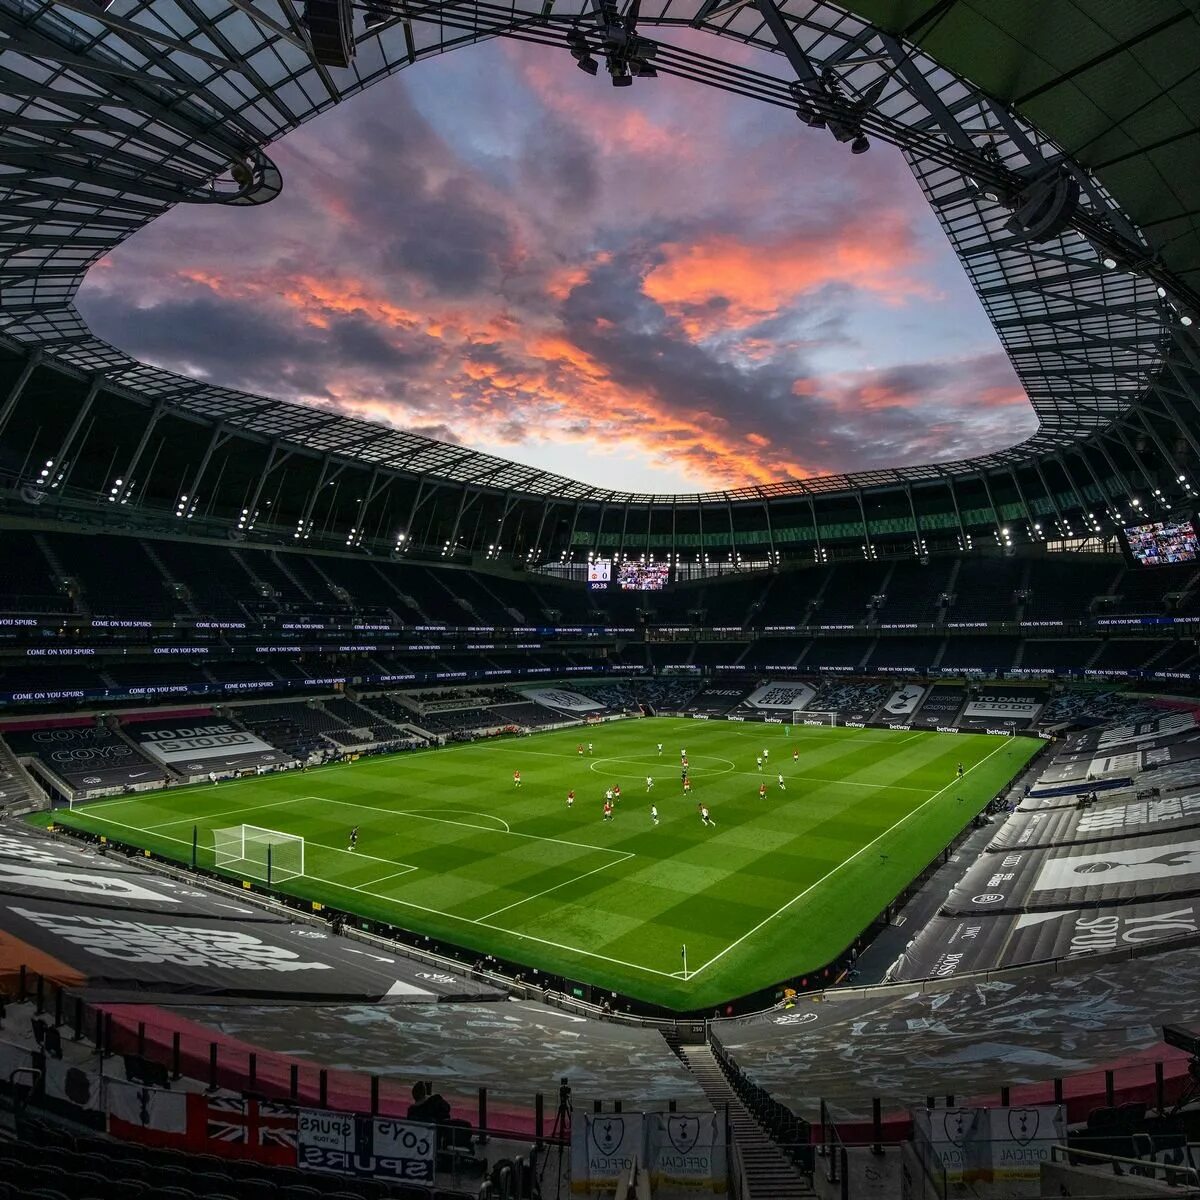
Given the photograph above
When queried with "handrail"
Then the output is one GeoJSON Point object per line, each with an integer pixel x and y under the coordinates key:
{"type": "Point", "coordinates": [1175, 1176]}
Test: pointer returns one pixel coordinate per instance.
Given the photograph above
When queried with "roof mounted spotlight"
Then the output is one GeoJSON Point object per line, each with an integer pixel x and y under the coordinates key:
{"type": "Point", "coordinates": [377, 14]}
{"type": "Point", "coordinates": [581, 52]}
{"type": "Point", "coordinates": [825, 104]}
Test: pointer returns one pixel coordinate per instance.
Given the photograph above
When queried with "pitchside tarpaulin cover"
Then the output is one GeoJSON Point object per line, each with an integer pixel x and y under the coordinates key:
{"type": "Point", "coordinates": [1161, 865]}
{"type": "Point", "coordinates": [33, 867]}
{"type": "Point", "coordinates": [344, 1144]}
{"type": "Point", "coordinates": [783, 695]}
{"type": "Point", "coordinates": [561, 698]}
{"type": "Point", "coordinates": [187, 954]}
{"type": "Point", "coordinates": [985, 1145]}
{"type": "Point", "coordinates": [903, 702]}
{"type": "Point", "coordinates": [203, 745]}
{"type": "Point", "coordinates": [951, 946]}
{"type": "Point", "coordinates": [1004, 706]}
{"type": "Point", "coordinates": [1116, 738]}
{"type": "Point", "coordinates": [717, 698]}
{"type": "Point", "coordinates": [1127, 760]}
{"type": "Point", "coordinates": [1098, 822]}
{"type": "Point", "coordinates": [940, 706]}
{"type": "Point", "coordinates": [86, 757]}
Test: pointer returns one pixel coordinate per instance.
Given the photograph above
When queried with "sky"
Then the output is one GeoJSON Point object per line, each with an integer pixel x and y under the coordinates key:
{"type": "Point", "coordinates": [656, 288]}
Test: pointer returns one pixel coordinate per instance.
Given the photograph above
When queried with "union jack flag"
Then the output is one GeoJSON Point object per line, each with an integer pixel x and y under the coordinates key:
{"type": "Point", "coordinates": [250, 1122]}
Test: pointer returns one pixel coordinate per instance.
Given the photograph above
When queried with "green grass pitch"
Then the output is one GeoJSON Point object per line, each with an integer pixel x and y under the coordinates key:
{"type": "Point", "coordinates": [448, 846]}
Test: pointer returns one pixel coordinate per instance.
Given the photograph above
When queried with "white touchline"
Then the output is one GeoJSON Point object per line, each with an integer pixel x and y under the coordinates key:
{"type": "Point", "coordinates": [565, 882]}
{"type": "Point", "coordinates": [833, 870]}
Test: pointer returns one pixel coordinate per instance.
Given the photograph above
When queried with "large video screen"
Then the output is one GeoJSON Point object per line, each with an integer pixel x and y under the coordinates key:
{"type": "Point", "coordinates": [599, 573]}
{"type": "Point", "coordinates": [1162, 543]}
{"type": "Point", "coordinates": [643, 577]}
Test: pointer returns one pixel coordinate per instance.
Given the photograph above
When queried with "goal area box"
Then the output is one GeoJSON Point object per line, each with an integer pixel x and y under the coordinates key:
{"type": "Point", "coordinates": [268, 855]}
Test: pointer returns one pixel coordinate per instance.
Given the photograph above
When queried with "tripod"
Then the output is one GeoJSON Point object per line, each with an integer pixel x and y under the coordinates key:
{"type": "Point", "coordinates": [560, 1134]}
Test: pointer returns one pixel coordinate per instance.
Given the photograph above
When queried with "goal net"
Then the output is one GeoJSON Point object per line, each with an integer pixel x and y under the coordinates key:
{"type": "Point", "coordinates": [802, 716]}
{"type": "Point", "coordinates": [257, 853]}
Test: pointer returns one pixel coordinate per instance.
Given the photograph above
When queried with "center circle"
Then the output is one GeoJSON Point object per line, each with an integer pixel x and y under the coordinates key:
{"type": "Point", "coordinates": [648, 760]}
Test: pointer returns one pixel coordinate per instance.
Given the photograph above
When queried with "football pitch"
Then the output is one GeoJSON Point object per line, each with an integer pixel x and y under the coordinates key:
{"type": "Point", "coordinates": [449, 846]}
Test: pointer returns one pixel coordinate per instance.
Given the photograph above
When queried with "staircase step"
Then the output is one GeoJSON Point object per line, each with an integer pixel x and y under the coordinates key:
{"type": "Point", "coordinates": [769, 1172]}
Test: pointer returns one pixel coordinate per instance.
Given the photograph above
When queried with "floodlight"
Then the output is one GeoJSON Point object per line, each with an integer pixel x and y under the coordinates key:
{"type": "Point", "coordinates": [860, 145]}
{"type": "Point", "coordinates": [589, 64]}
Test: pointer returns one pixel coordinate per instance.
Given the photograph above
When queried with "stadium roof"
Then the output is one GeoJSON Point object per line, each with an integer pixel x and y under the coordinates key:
{"type": "Point", "coordinates": [107, 118]}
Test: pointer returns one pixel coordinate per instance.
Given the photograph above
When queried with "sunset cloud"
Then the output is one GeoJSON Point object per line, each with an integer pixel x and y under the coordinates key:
{"type": "Point", "coordinates": [664, 291]}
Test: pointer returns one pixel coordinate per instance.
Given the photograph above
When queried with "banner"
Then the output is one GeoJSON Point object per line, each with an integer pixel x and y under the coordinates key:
{"type": "Point", "coordinates": [144, 1108]}
{"type": "Point", "coordinates": [203, 747]}
{"type": "Point", "coordinates": [686, 1152]}
{"type": "Point", "coordinates": [346, 1144]}
{"type": "Point", "coordinates": [604, 1148]}
{"type": "Point", "coordinates": [947, 947]}
{"type": "Point", "coordinates": [561, 698]}
{"type": "Point", "coordinates": [228, 1126]}
{"type": "Point", "coordinates": [328, 1141]}
{"type": "Point", "coordinates": [1158, 866]}
{"type": "Point", "coordinates": [403, 1150]}
{"type": "Point", "coordinates": [904, 700]}
{"type": "Point", "coordinates": [87, 757]}
{"type": "Point", "coordinates": [940, 706]}
{"type": "Point", "coordinates": [983, 1145]}
{"type": "Point", "coordinates": [1048, 827]}
{"type": "Point", "coordinates": [785, 694]}
{"type": "Point", "coordinates": [1004, 706]}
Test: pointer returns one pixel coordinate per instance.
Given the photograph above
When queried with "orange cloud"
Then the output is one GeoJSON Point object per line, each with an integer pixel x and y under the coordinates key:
{"type": "Point", "coordinates": [725, 283]}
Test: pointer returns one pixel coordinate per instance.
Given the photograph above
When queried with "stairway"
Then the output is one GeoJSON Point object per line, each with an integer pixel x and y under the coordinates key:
{"type": "Point", "coordinates": [769, 1173]}
{"type": "Point", "coordinates": [67, 584]}
{"type": "Point", "coordinates": [172, 585]}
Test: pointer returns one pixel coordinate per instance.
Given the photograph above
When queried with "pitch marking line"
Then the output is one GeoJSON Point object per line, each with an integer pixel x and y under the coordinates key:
{"type": "Point", "coordinates": [384, 878]}
{"type": "Point", "coordinates": [833, 870]}
{"type": "Point", "coordinates": [653, 758]}
{"type": "Point", "coordinates": [462, 812]}
{"type": "Point", "coordinates": [547, 891]}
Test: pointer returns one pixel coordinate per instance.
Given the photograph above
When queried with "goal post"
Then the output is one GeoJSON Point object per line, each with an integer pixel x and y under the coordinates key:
{"type": "Point", "coordinates": [802, 716]}
{"type": "Point", "coordinates": [253, 852]}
